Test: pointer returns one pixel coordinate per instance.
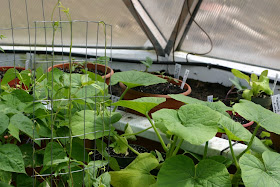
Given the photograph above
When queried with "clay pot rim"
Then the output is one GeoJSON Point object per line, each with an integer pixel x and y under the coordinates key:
{"type": "Point", "coordinates": [5, 68]}
{"type": "Point", "coordinates": [159, 95]}
{"type": "Point", "coordinates": [107, 76]}
{"type": "Point", "coordinates": [244, 125]}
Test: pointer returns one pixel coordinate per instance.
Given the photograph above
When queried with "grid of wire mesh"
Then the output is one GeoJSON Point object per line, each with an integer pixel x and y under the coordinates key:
{"type": "Point", "coordinates": [76, 102]}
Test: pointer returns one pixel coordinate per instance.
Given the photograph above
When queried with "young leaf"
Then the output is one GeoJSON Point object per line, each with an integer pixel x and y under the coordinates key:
{"type": "Point", "coordinates": [25, 77]}
{"type": "Point", "coordinates": [240, 75]}
{"type": "Point", "coordinates": [5, 177]}
{"type": "Point", "coordinates": [142, 105]}
{"type": "Point", "coordinates": [258, 173]}
{"type": "Point", "coordinates": [135, 78]}
{"type": "Point", "coordinates": [128, 130]}
{"type": "Point", "coordinates": [181, 171]}
{"type": "Point", "coordinates": [253, 112]}
{"type": "Point", "coordinates": [137, 173]}
{"type": "Point", "coordinates": [11, 158]}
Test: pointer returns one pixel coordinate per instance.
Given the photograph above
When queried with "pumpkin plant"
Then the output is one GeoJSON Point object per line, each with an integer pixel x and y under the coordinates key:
{"type": "Point", "coordinates": [195, 122]}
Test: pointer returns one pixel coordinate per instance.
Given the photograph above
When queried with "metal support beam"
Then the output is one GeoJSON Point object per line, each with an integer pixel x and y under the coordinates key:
{"type": "Point", "coordinates": [147, 25]}
{"type": "Point", "coordinates": [182, 24]}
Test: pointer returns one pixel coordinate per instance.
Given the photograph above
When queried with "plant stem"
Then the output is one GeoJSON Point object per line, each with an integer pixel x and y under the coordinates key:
{"type": "Point", "coordinates": [172, 147]}
{"type": "Point", "coordinates": [232, 152]}
{"type": "Point", "coordinates": [123, 135]}
{"type": "Point", "coordinates": [178, 147]}
{"type": "Point", "coordinates": [121, 98]}
{"type": "Point", "coordinates": [251, 141]}
{"type": "Point", "coordinates": [205, 150]}
{"type": "Point", "coordinates": [157, 133]}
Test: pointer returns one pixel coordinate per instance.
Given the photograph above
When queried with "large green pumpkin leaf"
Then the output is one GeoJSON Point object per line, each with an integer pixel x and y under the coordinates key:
{"type": "Point", "coordinates": [54, 154]}
{"type": "Point", "coordinates": [137, 173]}
{"type": "Point", "coordinates": [11, 158]}
{"type": "Point", "coordinates": [142, 105]}
{"type": "Point", "coordinates": [257, 173]}
{"type": "Point", "coordinates": [136, 78]}
{"type": "Point", "coordinates": [181, 171]}
{"type": "Point", "coordinates": [253, 112]}
{"type": "Point", "coordinates": [86, 121]}
{"type": "Point", "coordinates": [4, 122]}
{"type": "Point", "coordinates": [198, 123]}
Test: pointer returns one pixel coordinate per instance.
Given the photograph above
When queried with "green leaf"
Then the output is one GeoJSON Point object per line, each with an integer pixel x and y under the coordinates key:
{"type": "Point", "coordinates": [240, 75]}
{"type": "Point", "coordinates": [254, 77]}
{"type": "Point", "coordinates": [119, 146]}
{"type": "Point", "coordinates": [40, 75]}
{"type": "Point", "coordinates": [22, 95]}
{"type": "Point", "coordinates": [2, 184]}
{"type": "Point", "coordinates": [148, 63]}
{"type": "Point", "coordinates": [135, 78]}
{"type": "Point", "coordinates": [181, 171]}
{"type": "Point", "coordinates": [253, 112]}
{"type": "Point", "coordinates": [4, 122]}
{"type": "Point", "coordinates": [25, 77]}
{"type": "Point", "coordinates": [5, 177]}
{"type": "Point", "coordinates": [236, 82]}
{"type": "Point", "coordinates": [142, 105]}
{"type": "Point", "coordinates": [86, 121]}
{"type": "Point", "coordinates": [27, 155]}
{"type": "Point", "coordinates": [11, 158]}
{"type": "Point", "coordinates": [103, 180]}
{"type": "Point", "coordinates": [195, 123]}
{"type": "Point", "coordinates": [257, 173]}
{"type": "Point", "coordinates": [185, 99]}
{"type": "Point", "coordinates": [5, 109]}
{"type": "Point", "coordinates": [10, 75]}
{"type": "Point", "coordinates": [247, 94]}
{"type": "Point", "coordinates": [54, 154]}
{"type": "Point", "coordinates": [264, 73]}
{"type": "Point", "coordinates": [137, 173]}
{"type": "Point", "coordinates": [128, 130]}
{"type": "Point", "coordinates": [14, 131]}
{"type": "Point", "coordinates": [78, 146]}
{"type": "Point", "coordinates": [24, 124]}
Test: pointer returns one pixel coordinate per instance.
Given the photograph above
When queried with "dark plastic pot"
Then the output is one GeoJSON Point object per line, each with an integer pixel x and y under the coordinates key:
{"type": "Point", "coordinates": [124, 160]}
{"type": "Point", "coordinates": [275, 138]}
{"type": "Point", "coordinates": [169, 103]}
{"type": "Point", "coordinates": [14, 82]}
{"type": "Point", "coordinates": [100, 67]}
{"type": "Point", "coordinates": [246, 125]}
{"type": "Point", "coordinates": [265, 102]}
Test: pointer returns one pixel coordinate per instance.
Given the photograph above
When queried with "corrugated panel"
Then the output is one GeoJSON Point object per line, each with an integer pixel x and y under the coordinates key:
{"type": "Point", "coordinates": [126, 31]}
{"type": "Point", "coordinates": [246, 31]}
{"type": "Point", "coordinates": [164, 13]}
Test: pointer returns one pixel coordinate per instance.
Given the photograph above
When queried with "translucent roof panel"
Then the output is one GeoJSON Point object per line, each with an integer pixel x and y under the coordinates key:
{"type": "Point", "coordinates": [164, 13]}
{"type": "Point", "coordinates": [126, 31]}
{"type": "Point", "coordinates": [244, 31]}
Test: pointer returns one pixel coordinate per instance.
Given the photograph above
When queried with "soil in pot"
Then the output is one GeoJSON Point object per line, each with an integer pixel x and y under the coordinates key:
{"type": "Point", "coordinates": [125, 159]}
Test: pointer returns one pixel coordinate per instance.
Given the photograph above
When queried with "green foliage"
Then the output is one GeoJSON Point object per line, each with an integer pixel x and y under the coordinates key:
{"type": "Point", "coordinates": [148, 63]}
{"type": "Point", "coordinates": [261, 172]}
{"type": "Point", "coordinates": [137, 173]}
{"type": "Point", "coordinates": [142, 105]}
{"type": "Point", "coordinates": [11, 159]}
{"type": "Point", "coordinates": [1, 37]}
{"type": "Point", "coordinates": [257, 85]}
{"type": "Point", "coordinates": [181, 171]}
{"type": "Point", "coordinates": [135, 78]}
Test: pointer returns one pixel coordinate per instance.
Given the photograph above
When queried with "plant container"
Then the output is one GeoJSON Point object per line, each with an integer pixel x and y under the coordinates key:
{"type": "Point", "coordinates": [16, 81]}
{"type": "Point", "coordinates": [100, 68]}
{"type": "Point", "coordinates": [263, 101]}
{"type": "Point", "coordinates": [169, 103]}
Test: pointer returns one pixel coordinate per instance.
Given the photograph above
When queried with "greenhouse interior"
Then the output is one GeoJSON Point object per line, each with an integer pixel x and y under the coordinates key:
{"type": "Point", "coordinates": [139, 93]}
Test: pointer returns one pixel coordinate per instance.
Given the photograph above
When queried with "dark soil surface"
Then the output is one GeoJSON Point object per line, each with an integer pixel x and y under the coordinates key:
{"type": "Point", "coordinates": [162, 88]}
{"type": "Point", "coordinates": [2, 74]}
{"type": "Point", "coordinates": [79, 70]}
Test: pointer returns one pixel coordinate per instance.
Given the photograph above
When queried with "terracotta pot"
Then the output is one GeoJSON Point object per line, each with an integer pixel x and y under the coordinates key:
{"type": "Point", "coordinates": [100, 67]}
{"type": "Point", "coordinates": [169, 103]}
{"type": "Point", "coordinates": [14, 82]}
{"type": "Point", "coordinates": [246, 125]}
{"type": "Point", "coordinates": [275, 138]}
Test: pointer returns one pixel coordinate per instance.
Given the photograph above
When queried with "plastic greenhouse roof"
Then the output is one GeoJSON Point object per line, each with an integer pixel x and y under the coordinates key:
{"type": "Point", "coordinates": [242, 31]}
